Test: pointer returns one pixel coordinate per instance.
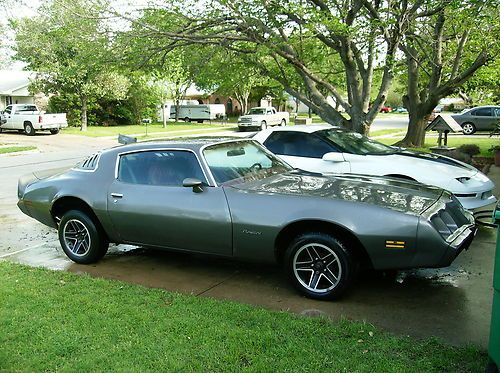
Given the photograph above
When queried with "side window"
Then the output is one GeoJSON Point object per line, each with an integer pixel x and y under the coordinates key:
{"type": "Point", "coordinates": [159, 167]}
{"type": "Point", "coordinates": [8, 109]}
{"type": "Point", "coordinates": [497, 112]}
{"type": "Point", "coordinates": [297, 144]}
{"type": "Point", "coordinates": [483, 112]}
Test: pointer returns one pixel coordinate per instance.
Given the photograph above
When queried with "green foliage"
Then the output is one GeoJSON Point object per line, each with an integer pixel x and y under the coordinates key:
{"type": "Point", "coordinates": [67, 44]}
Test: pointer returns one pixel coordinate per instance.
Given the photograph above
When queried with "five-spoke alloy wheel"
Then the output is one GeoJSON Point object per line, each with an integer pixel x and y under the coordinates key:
{"type": "Point", "coordinates": [468, 128]}
{"type": "Point", "coordinates": [81, 239]}
{"type": "Point", "coordinates": [319, 265]}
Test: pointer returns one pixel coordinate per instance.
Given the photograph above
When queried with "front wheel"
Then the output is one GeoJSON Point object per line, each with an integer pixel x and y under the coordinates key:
{"type": "Point", "coordinates": [81, 239]}
{"type": "Point", "coordinates": [187, 119]}
{"type": "Point", "coordinates": [29, 130]}
{"type": "Point", "coordinates": [263, 125]}
{"type": "Point", "coordinates": [319, 265]}
{"type": "Point", "coordinates": [54, 131]}
{"type": "Point", "coordinates": [468, 128]}
{"type": "Point", "coordinates": [283, 123]}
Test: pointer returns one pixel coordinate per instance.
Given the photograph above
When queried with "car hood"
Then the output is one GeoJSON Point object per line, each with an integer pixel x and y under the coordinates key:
{"type": "Point", "coordinates": [453, 165]}
{"type": "Point", "coordinates": [395, 194]}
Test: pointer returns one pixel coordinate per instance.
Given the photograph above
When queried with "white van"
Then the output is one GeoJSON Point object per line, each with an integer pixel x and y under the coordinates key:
{"type": "Point", "coordinates": [199, 113]}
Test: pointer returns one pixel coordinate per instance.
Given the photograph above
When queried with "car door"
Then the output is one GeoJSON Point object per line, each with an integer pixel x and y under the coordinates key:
{"type": "Point", "coordinates": [483, 119]}
{"type": "Point", "coordinates": [305, 151]}
{"type": "Point", "coordinates": [8, 116]}
{"type": "Point", "coordinates": [149, 206]}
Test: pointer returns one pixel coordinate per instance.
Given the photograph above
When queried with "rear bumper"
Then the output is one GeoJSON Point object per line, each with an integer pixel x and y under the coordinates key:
{"type": "Point", "coordinates": [51, 126]}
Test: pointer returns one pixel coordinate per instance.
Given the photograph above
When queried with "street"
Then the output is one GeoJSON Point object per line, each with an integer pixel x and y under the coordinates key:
{"type": "Point", "coordinates": [452, 303]}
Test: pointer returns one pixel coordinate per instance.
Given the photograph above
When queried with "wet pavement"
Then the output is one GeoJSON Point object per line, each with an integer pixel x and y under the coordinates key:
{"type": "Point", "coordinates": [453, 303]}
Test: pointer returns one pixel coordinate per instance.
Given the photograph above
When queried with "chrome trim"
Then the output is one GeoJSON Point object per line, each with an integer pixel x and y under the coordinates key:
{"type": "Point", "coordinates": [142, 150]}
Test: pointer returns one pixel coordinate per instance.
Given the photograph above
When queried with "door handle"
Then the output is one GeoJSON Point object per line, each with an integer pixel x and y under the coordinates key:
{"type": "Point", "coordinates": [116, 195]}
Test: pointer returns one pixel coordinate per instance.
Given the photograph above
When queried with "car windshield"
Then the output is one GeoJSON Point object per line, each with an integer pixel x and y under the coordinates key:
{"type": "Point", "coordinates": [355, 143]}
{"type": "Point", "coordinates": [241, 161]}
{"type": "Point", "coordinates": [256, 110]}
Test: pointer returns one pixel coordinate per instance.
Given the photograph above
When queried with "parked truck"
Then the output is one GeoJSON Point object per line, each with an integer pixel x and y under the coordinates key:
{"type": "Point", "coordinates": [262, 117]}
{"type": "Point", "coordinates": [28, 118]}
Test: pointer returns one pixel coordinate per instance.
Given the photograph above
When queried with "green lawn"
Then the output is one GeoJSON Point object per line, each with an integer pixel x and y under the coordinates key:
{"type": "Point", "coordinates": [99, 131]}
{"type": "Point", "coordinates": [386, 132]}
{"type": "Point", "coordinates": [453, 141]}
{"type": "Point", "coordinates": [15, 149]}
{"type": "Point", "coordinates": [57, 321]}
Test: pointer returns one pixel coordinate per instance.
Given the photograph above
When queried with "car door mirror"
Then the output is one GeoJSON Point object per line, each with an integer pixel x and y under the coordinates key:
{"type": "Point", "coordinates": [193, 183]}
{"type": "Point", "coordinates": [333, 157]}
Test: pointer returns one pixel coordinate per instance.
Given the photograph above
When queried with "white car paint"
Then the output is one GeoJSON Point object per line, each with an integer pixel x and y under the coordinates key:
{"type": "Point", "coordinates": [20, 115]}
{"type": "Point", "coordinates": [263, 117]}
{"type": "Point", "coordinates": [472, 188]}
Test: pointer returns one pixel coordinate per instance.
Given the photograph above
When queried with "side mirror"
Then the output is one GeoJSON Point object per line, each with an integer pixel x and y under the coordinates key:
{"type": "Point", "coordinates": [334, 157]}
{"type": "Point", "coordinates": [193, 183]}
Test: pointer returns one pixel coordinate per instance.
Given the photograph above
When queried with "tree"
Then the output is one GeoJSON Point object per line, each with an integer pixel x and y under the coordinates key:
{"type": "Point", "coordinates": [70, 53]}
{"type": "Point", "coordinates": [310, 41]}
{"type": "Point", "coordinates": [442, 52]}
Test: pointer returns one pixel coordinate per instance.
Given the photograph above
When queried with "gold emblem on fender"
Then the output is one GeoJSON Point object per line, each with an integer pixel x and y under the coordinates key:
{"type": "Point", "coordinates": [390, 244]}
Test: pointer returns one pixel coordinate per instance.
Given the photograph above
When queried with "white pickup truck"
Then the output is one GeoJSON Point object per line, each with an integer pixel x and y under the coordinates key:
{"type": "Point", "coordinates": [28, 119]}
{"type": "Point", "coordinates": [262, 117]}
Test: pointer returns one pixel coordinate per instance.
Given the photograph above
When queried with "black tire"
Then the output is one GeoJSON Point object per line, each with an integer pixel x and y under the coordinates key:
{"type": "Point", "coordinates": [54, 132]}
{"type": "Point", "coordinates": [28, 129]}
{"type": "Point", "coordinates": [187, 119]}
{"type": "Point", "coordinates": [491, 367]}
{"type": "Point", "coordinates": [242, 129]}
{"type": "Point", "coordinates": [319, 265]}
{"type": "Point", "coordinates": [283, 123]}
{"type": "Point", "coordinates": [468, 128]}
{"type": "Point", "coordinates": [263, 125]}
{"type": "Point", "coordinates": [90, 243]}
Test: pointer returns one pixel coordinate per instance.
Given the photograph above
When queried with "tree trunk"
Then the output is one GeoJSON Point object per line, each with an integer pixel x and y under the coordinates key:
{"type": "Point", "coordinates": [164, 115]}
{"type": "Point", "coordinates": [84, 102]}
{"type": "Point", "coordinates": [177, 108]}
{"type": "Point", "coordinates": [415, 136]}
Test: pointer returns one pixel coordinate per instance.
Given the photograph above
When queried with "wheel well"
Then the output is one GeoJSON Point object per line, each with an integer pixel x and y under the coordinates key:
{"type": "Point", "coordinates": [398, 176]}
{"type": "Point", "coordinates": [65, 204]}
{"type": "Point", "coordinates": [292, 230]}
{"type": "Point", "coordinates": [27, 122]}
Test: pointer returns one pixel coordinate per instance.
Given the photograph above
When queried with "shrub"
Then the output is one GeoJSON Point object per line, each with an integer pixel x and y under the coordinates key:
{"type": "Point", "coordinates": [470, 149]}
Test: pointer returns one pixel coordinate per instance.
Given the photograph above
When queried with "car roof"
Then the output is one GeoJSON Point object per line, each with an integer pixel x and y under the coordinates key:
{"type": "Point", "coordinates": [191, 143]}
{"type": "Point", "coordinates": [307, 128]}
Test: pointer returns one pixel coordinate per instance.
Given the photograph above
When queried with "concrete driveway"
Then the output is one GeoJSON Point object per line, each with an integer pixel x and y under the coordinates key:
{"type": "Point", "coordinates": [452, 303]}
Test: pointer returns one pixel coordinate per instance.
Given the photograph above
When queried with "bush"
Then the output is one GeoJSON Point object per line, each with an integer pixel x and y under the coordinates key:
{"type": "Point", "coordinates": [470, 149]}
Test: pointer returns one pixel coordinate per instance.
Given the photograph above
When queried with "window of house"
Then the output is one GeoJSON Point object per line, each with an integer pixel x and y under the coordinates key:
{"type": "Point", "coordinates": [159, 167]}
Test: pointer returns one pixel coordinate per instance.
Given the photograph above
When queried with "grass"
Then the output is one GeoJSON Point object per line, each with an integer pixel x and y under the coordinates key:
{"type": "Point", "coordinates": [386, 132]}
{"type": "Point", "coordinates": [453, 141]}
{"type": "Point", "coordinates": [100, 131]}
{"type": "Point", "coordinates": [15, 149]}
{"type": "Point", "coordinates": [57, 321]}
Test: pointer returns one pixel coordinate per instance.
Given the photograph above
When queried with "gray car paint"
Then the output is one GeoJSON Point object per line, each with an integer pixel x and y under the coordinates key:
{"type": "Point", "coordinates": [244, 221]}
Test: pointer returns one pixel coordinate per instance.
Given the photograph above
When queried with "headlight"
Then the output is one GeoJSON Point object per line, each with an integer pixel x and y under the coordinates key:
{"type": "Point", "coordinates": [463, 180]}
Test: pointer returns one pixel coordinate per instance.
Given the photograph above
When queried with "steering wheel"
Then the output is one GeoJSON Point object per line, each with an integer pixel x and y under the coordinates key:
{"type": "Point", "coordinates": [256, 167]}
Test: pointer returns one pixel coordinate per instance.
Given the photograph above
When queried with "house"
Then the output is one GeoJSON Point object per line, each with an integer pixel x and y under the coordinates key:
{"type": "Point", "coordinates": [14, 88]}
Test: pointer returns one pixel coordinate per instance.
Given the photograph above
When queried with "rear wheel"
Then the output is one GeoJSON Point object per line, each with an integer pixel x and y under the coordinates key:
{"type": "Point", "coordinates": [468, 128]}
{"type": "Point", "coordinates": [319, 265]}
{"type": "Point", "coordinates": [81, 239]}
{"type": "Point", "coordinates": [54, 131]}
{"type": "Point", "coordinates": [187, 119]}
{"type": "Point", "coordinates": [28, 129]}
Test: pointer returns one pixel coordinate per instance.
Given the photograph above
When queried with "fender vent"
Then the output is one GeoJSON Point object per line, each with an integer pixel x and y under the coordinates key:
{"type": "Point", "coordinates": [89, 163]}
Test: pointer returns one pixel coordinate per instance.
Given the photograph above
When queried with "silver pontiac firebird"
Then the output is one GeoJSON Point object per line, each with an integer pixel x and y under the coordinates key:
{"type": "Point", "coordinates": [233, 198]}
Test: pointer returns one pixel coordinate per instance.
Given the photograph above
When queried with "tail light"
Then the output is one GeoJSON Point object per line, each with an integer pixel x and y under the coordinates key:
{"type": "Point", "coordinates": [40, 119]}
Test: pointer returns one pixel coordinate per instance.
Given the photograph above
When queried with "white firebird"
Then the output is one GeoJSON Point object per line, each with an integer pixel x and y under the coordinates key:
{"type": "Point", "coordinates": [328, 149]}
